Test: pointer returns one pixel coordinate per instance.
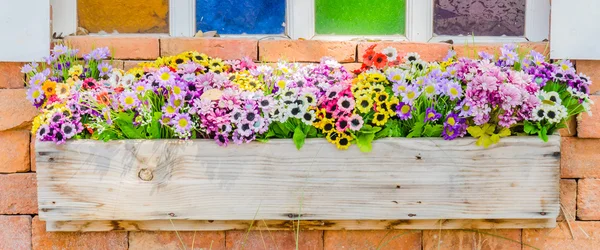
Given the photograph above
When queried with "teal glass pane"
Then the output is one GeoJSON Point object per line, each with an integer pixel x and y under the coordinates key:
{"type": "Point", "coordinates": [360, 17]}
{"type": "Point", "coordinates": [241, 16]}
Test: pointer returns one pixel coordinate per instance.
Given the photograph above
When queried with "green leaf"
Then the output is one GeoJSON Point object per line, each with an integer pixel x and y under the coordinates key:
{"type": "Point", "coordinates": [433, 130]}
{"type": "Point", "coordinates": [530, 128]}
{"type": "Point", "coordinates": [417, 130]}
{"type": "Point", "coordinates": [385, 132]}
{"type": "Point", "coordinates": [368, 129]}
{"type": "Point", "coordinates": [154, 126]}
{"type": "Point", "coordinates": [364, 142]}
{"type": "Point", "coordinates": [124, 122]}
{"type": "Point", "coordinates": [543, 134]}
{"type": "Point", "coordinates": [475, 131]}
{"type": "Point", "coordinates": [299, 137]}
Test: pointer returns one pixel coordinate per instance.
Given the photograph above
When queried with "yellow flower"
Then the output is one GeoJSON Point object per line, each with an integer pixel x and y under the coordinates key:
{"type": "Point", "coordinates": [63, 90]}
{"type": "Point", "coordinates": [49, 88]}
{"type": "Point", "coordinates": [364, 104]}
{"type": "Point", "coordinates": [76, 70]}
{"type": "Point", "coordinates": [37, 122]}
{"type": "Point", "coordinates": [343, 142]}
{"type": "Point", "coordinates": [179, 59]}
{"type": "Point", "coordinates": [392, 104]}
{"type": "Point", "coordinates": [381, 97]}
{"type": "Point", "coordinates": [333, 136]}
{"type": "Point", "coordinates": [376, 77]}
{"type": "Point", "coordinates": [380, 118]}
{"type": "Point", "coordinates": [328, 125]}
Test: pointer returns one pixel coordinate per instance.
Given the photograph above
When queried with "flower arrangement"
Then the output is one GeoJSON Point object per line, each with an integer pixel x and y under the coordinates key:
{"type": "Point", "coordinates": [192, 95]}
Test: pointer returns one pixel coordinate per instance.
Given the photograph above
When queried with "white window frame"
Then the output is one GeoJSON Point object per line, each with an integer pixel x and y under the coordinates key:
{"type": "Point", "coordinates": [300, 22]}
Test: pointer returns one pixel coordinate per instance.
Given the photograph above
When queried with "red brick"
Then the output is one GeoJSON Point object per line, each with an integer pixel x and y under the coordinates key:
{"type": "Point", "coordinates": [306, 50]}
{"type": "Point", "coordinates": [60, 240]}
{"type": "Point", "coordinates": [472, 50]}
{"type": "Point", "coordinates": [589, 126]}
{"type": "Point", "coordinates": [15, 110]}
{"type": "Point", "coordinates": [428, 51]}
{"type": "Point", "coordinates": [591, 69]}
{"type": "Point", "coordinates": [170, 240]}
{"type": "Point", "coordinates": [375, 239]}
{"type": "Point", "coordinates": [568, 199]}
{"type": "Point", "coordinates": [588, 199]}
{"type": "Point", "coordinates": [14, 152]}
{"type": "Point", "coordinates": [18, 194]}
{"type": "Point", "coordinates": [11, 76]}
{"type": "Point", "coordinates": [32, 153]}
{"type": "Point", "coordinates": [579, 158]}
{"type": "Point", "coordinates": [127, 65]}
{"type": "Point", "coordinates": [564, 238]}
{"type": "Point", "coordinates": [481, 240]}
{"type": "Point", "coordinates": [122, 47]}
{"type": "Point", "coordinates": [352, 66]}
{"type": "Point", "coordinates": [15, 232]}
{"type": "Point", "coordinates": [265, 239]}
{"type": "Point", "coordinates": [223, 48]}
{"type": "Point", "coordinates": [570, 130]}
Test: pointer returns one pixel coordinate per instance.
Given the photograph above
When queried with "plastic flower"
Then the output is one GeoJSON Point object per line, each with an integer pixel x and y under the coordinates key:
{"type": "Point", "coordinates": [411, 93]}
{"type": "Point", "coordinates": [35, 94]}
{"type": "Point", "coordinates": [431, 115]}
{"type": "Point", "coordinates": [129, 100]}
{"type": "Point", "coordinates": [356, 122]}
{"type": "Point", "coordinates": [454, 90]}
{"type": "Point", "coordinates": [63, 90]}
{"type": "Point", "coordinates": [49, 88]}
{"type": "Point", "coordinates": [343, 142]}
{"type": "Point", "coordinates": [404, 111]}
{"type": "Point", "coordinates": [68, 129]}
{"type": "Point", "coordinates": [380, 60]}
{"type": "Point", "coordinates": [346, 104]}
{"type": "Point", "coordinates": [364, 104]}
{"type": "Point", "coordinates": [391, 53]}
{"type": "Point", "coordinates": [104, 69]}
{"type": "Point", "coordinates": [182, 125]}
{"type": "Point", "coordinates": [380, 118]}
{"type": "Point", "coordinates": [164, 76]}
{"type": "Point", "coordinates": [221, 139]}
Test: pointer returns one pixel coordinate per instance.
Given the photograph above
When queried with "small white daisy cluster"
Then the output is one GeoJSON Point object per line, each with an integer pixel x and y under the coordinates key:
{"type": "Point", "coordinates": [551, 108]}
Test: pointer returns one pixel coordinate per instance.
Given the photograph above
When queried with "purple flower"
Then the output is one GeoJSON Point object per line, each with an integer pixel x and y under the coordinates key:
{"type": "Point", "coordinates": [404, 111]}
{"type": "Point", "coordinates": [164, 76]}
{"type": "Point", "coordinates": [68, 129]}
{"type": "Point", "coordinates": [222, 139]}
{"type": "Point", "coordinates": [432, 115]}
{"type": "Point", "coordinates": [104, 69]}
{"type": "Point", "coordinates": [35, 94]}
{"type": "Point", "coordinates": [454, 127]}
{"type": "Point", "coordinates": [28, 68]}
{"type": "Point", "coordinates": [182, 124]}
{"type": "Point", "coordinates": [129, 100]}
{"type": "Point", "coordinates": [97, 54]}
{"type": "Point", "coordinates": [38, 79]}
{"type": "Point", "coordinates": [486, 56]}
{"type": "Point", "coordinates": [59, 50]}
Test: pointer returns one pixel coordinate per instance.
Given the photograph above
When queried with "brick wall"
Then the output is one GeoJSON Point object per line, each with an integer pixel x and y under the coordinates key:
{"type": "Point", "coordinates": [20, 228]}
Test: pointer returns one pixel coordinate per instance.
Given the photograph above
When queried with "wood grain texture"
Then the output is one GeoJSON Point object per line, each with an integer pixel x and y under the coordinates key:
{"type": "Point", "coordinates": [401, 179]}
{"type": "Point", "coordinates": [195, 225]}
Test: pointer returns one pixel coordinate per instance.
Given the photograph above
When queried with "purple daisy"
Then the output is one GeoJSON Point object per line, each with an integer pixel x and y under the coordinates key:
{"type": "Point", "coordinates": [431, 115]}
{"type": "Point", "coordinates": [404, 111]}
{"type": "Point", "coordinates": [104, 69]}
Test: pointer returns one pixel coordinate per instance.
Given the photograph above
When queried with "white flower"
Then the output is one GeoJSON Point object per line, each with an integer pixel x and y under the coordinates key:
{"type": "Point", "coordinates": [550, 98]}
{"type": "Point", "coordinates": [411, 57]}
{"type": "Point", "coordinates": [332, 64]}
{"type": "Point", "coordinates": [391, 53]}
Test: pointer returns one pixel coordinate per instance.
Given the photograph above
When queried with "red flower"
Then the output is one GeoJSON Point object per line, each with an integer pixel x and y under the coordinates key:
{"type": "Point", "coordinates": [380, 60]}
{"type": "Point", "coordinates": [368, 58]}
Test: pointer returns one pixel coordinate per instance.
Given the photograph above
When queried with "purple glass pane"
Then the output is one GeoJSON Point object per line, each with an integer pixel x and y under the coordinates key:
{"type": "Point", "coordinates": [479, 17]}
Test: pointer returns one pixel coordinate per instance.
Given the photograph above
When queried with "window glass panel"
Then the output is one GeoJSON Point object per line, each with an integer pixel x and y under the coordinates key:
{"type": "Point", "coordinates": [360, 17]}
{"type": "Point", "coordinates": [479, 17]}
{"type": "Point", "coordinates": [124, 16]}
{"type": "Point", "coordinates": [241, 16]}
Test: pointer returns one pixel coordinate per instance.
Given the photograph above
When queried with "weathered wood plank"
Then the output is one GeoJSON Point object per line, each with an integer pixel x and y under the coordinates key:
{"type": "Point", "coordinates": [191, 225]}
{"type": "Point", "coordinates": [400, 179]}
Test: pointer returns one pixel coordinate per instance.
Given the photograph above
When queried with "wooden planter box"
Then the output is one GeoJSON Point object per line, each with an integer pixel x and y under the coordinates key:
{"type": "Point", "coordinates": [423, 183]}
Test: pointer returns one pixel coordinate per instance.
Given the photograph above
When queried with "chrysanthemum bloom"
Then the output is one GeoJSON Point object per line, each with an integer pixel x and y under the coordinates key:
{"type": "Point", "coordinates": [400, 87]}
{"type": "Point", "coordinates": [404, 111]}
{"type": "Point", "coordinates": [49, 88]}
{"type": "Point", "coordinates": [68, 130]}
{"type": "Point", "coordinates": [37, 80]}
{"type": "Point", "coordinates": [35, 94]}
{"type": "Point", "coordinates": [380, 60]}
{"type": "Point", "coordinates": [411, 93]}
{"type": "Point", "coordinates": [380, 118]}
{"type": "Point", "coordinates": [221, 139]}
{"type": "Point", "coordinates": [431, 115]}
{"type": "Point", "coordinates": [454, 90]}
{"type": "Point", "coordinates": [356, 122]}
{"type": "Point", "coordinates": [182, 125]}
{"type": "Point", "coordinates": [164, 77]}
{"type": "Point", "coordinates": [104, 69]}
{"type": "Point", "coordinates": [395, 75]}
{"type": "Point", "coordinates": [129, 100]}
{"type": "Point", "coordinates": [391, 53]}
{"type": "Point", "coordinates": [454, 127]}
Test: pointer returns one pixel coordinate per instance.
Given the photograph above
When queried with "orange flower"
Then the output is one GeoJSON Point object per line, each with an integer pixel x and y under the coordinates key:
{"type": "Point", "coordinates": [380, 60]}
{"type": "Point", "coordinates": [103, 98]}
{"type": "Point", "coordinates": [49, 88]}
{"type": "Point", "coordinates": [368, 58]}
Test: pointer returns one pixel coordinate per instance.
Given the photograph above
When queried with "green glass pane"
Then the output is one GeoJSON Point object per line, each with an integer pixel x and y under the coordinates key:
{"type": "Point", "coordinates": [360, 17]}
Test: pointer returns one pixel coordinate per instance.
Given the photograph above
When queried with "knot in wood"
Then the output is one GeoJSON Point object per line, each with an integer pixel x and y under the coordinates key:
{"type": "Point", "coordinates": [145, 174]}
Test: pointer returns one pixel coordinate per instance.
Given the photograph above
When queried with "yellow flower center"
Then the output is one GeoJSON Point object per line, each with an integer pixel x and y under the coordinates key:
{"type": "Point", "coordinates": [140, 88]}
{"type": "Point", "coordinates": [165, 76]}
{"type": "Point", "coordinates": [36, 94]}
{"type": "Point", "coordinates": [176, 90]}
{"type": "Point", "coordinates": [129, 100]}
{"type": "Point", "coordinates": [183, 123]}
{"type": "Point", "coordinates": [397, 78]}
{"type": "Point", "coordinates": [411, 95]}
{"type": "Point", "coordinates": [170, 109]}
{"type": "Point", "coordinates": [451, 121]}
{"type": "Point", "coordinates": [405, 109]}
{"type": "Point", "coordinates": [453, 91]}
{"type": "Point", "coordinates": [401, 88]}
{"type": "Point", "coordinates": [104, 69]}
{"type": "Point", "coordinates": [430, 89]}
{"type": "Point", "coordinates": [430, 115]}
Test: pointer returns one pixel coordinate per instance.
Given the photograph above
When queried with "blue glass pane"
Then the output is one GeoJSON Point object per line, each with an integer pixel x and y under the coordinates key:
{"type": "Point", "coordinates": [241, 16]}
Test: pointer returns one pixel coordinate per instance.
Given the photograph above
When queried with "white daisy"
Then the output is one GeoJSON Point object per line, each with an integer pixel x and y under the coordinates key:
{"type": "Point", "coordinates": [391, 53]}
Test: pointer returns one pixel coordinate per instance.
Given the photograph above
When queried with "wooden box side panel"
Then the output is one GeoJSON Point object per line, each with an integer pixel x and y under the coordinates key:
{"type": "Point", "coordinates": [423, 179]}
